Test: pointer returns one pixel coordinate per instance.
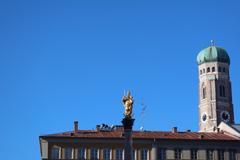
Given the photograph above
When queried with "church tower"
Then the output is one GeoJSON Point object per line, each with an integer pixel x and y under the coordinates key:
{"type": "Point", "coordinates": [215, 93]}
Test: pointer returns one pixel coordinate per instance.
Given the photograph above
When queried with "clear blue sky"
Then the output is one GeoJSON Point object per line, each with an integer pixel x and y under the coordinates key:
{"type": "Point", "coordinates": [62, 61]}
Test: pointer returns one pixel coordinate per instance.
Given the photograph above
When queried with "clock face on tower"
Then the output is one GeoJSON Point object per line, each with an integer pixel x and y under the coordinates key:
{"type": "Point", "coordinates": [225, 116]}
{"type": "Point", "coordinates": [204, 117]}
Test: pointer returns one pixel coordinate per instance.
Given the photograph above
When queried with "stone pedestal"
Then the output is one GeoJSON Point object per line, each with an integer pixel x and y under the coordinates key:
{"type": "Point", "coordinates": [128, 149]}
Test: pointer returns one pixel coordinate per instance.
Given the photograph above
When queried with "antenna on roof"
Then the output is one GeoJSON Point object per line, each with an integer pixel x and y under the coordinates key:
{"type": "Point", "coordinates": [144, 107]}
{"type": "Point", "coordinates": [212, 43]}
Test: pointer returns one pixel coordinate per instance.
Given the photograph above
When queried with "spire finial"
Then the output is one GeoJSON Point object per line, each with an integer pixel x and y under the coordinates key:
{"type": "Point", "coordinates": [212, 43]}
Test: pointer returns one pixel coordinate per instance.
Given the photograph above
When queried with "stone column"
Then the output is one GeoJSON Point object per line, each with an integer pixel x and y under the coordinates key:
{"type": "Point", "coordinates": [215, 154]}
{"type": "Point", "coordinates": [238, 154]}
{"type": "Point", "coordinates": [127, 124]}
{"type": "Point", "coordinates": [226, 155]}
{"type": "Point", "coordinates": [154, 152]}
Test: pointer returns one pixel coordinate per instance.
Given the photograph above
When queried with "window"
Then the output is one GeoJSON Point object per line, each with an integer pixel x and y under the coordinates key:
{"type": "Point", "coordinates": [194, 154]}
{"type": "Point", "coordinates": [119, 154]}
{"type": "Point", "coordinates": [219, 69]}
{"type": "Point", "coordinates": [208, 69]}
{"type": "Point", "coordinates": [94, 154]}
{"type": "Point", "coordinates": [224, 70]}
{"type": "Point", "coordinates": [220, 154]}
{"type": "Point", "coordinates": [200, 72]}
{"type": "Point", "coordinates": [106, 154]}
{"type": "Point", "coordinates": [144, 154]}
{"type": "Point", "coordinates": [161, 154]}
{"type": "Point", "coordinates": [209, 154]}
{"type": "Point", "coordinates": [204, 92]}
{"type": "Point", "coordinates": [55, 153]}
{"type": "Point", "coordinates": [213, 69]}
{"type": "Point", "coordinates": [178, 153]}
{"type": "Point", "coordinates": [68, 153]}
{"type": "Point", "coordinates": [232, 154]}
{"type": "Point", "coordinates": [81, 154]}
{"type": "Point", "coordinates": [222, 91]}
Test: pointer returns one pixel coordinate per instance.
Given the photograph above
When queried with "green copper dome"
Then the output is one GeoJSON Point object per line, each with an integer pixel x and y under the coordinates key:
{"type": "Point", "coordinates": [213, 54]}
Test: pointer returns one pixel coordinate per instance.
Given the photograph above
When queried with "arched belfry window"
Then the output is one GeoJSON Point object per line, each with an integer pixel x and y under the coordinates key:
{"type": "Point", "coordinates": [224, 69]}
{"type": "Point", "coordinates": [219, 69]}
{"type": "Point", "coordinates": [208, 69]}
{"type": "Point", "coordinates": [222, 91]}
{"type": "Point", "coordinates": [213, 69]}
{"type": "Point", "coordinates": [204, 92]}
{"type": "Point", "coordinates": [200, 72]}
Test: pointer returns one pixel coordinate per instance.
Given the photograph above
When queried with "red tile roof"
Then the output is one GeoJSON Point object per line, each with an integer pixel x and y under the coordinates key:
{"type": "Point", "coordinates": [144, 135]}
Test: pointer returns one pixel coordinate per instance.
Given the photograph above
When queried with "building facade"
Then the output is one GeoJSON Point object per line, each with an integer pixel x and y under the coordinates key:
{"type": "Point", "coordinates": [147, 145]}
{"type": "Point", "coordinates": [218, 137]}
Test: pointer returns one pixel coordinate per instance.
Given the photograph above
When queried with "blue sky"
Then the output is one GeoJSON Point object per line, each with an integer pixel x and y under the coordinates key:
{"type": "Point", "coordinates": [62, 61]}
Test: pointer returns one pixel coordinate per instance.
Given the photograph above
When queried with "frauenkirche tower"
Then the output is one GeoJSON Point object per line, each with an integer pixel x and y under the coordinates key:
{"type": "Point", "coordinates": [215, 93]}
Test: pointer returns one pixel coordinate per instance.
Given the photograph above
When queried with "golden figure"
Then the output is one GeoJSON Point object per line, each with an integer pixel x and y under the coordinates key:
{"type": "Point", "coordinates": [128, 104]}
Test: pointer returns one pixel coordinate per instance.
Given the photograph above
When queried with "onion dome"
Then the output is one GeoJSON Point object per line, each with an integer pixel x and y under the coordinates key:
{"type": "Point", "coordinates": [213, 54]}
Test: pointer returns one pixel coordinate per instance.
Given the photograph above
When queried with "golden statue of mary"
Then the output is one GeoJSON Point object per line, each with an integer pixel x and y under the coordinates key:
{"type": "Point", "coordinates": [128, 105]}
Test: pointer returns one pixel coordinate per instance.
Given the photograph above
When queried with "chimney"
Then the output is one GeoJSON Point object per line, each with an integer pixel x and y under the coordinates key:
{"type": "Point", "coordinates": [75, 126]}
{"type": "Point", "coordinates": [201, 136]}
{"type": "Point", "coordinates": [174, 130]}
{"type": "Point", "coordinates": [118, 128]}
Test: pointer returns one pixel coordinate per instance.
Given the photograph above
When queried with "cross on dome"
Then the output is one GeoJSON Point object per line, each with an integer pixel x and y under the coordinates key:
{"type": "Point", "coordinates": [212, 43]}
